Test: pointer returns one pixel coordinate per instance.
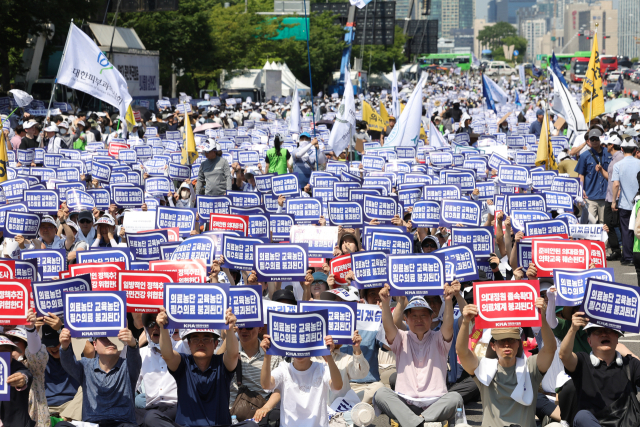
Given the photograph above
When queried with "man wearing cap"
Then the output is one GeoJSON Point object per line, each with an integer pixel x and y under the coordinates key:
{"type": "Point", "coordinates": [304, 158]}
{"type": "Point", "coordinates": [566, 164]}
{"type": "Point", "coordinates": [605, 380]}
{"type": "Point", "coordinates": [87, 232]}
{"type": "Point", "coordinates": [592, 167]}
{"type": "Point", "coordinates": [203, 378]}
{"type": "Point", "coordinates": [508, 381]}
{"type": "Point", "coordinates": [625, 188]}
{"type": "Point", "coordinates": [420, 395]}
{"type": "Point", "coordinates": [214, 178]}
{"type": "Point", "coordinates": [536, 127]}
{"type": "Point", "coordinates": [611, 218]}
{"type": "Point", "coordinates": [53, 142]}
{"type": "Point", "coordinates": [15, 411]}
{"type": "Point", "coordinates": [30, 140]}
{"type": "Point", "coordinates": [108, 380]}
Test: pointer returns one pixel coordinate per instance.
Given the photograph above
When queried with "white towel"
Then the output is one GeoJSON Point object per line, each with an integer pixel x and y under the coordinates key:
{"type": "Point", "coordinates": [523, 393]}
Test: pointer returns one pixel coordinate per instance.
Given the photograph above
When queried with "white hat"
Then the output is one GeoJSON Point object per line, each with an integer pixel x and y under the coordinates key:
{"type": "Point", "coordinates": [595, 326]}
{"type": "Point", "coordinates": [106, 219]}
{"type": "Point", "coordinates": [562, 156]}
{"type": "Point", "coordinates": [211, 145]}
{"type": "Point", "coordinates": [51, 128]}
{"type": "Point", "coordinates": [6, 341]}
{"type": "Point", "coordinates": [186, 332]}
{"type": "Point", "coordinates": [73, 224]}
{"type": "Point", "coordinates": [614, 140]}
{"type": "Point", "coordinates": [628, 143]}
{"type": "Point", "coordinates": [48, 219]}
{"type": "Point", "coordinates": [29, 124]}
{"type": "Point", "coordinates": [80, 122]}
{"type": "Point", "coordinates": [20, 331]}
{"type": "Point", "coordinates": [64, 124]}
{"type": "Point", "coordinates": [348, 294]}
{"type": "Point", "coordinates": [362, 414]}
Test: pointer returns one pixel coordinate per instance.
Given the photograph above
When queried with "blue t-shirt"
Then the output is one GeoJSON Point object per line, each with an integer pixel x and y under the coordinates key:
{"type": "Point", "coordinates": [626, 171]}
{"type": "Point", "coordinates": [370, 347]}
{"type": "Point", "coordinates": [535, 128]}
{"type": "Point", "coordinates": [59, 387]}
{"type": "Point", "coordinates": [595, 185]}
{"type": "Point", "coordinates": [203, 397]}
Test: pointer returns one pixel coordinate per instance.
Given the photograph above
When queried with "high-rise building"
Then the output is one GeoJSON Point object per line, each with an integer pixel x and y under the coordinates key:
{"type": "Point", "coordinates": [532, 29]}
{"type": "Point", "coordinates": [629, 28]}
{"type": "Point", "coordinates": [456, 14]}
{"type": "Point", "coordinates": [506, 9]}
{"type": "Point", "coordinates": [580, 26]}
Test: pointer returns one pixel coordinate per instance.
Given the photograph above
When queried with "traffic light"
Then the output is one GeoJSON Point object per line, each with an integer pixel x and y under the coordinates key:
{"type": "Point", "coordinates": [580, 34]}
{"type": "Point", "coordinates": [606, 37]}
{"type": "Point", "coordinates": [589, 37]}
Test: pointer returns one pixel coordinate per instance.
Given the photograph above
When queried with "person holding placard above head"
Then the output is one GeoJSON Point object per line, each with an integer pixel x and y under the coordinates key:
{"type": "Point", "coordinates": [304, 158]}
{"type": "Point", "coordinates": [214, 177]}
{"type": "Point", "coordinates": [203, 378]}
{"type": "Point", "coordinates": [47, 237]}
{"type": "Point", "coordinates": [15, 411]}
{"type": "Point", "coordinates": [508, 380]}
{"type": "Point", "coordinates": [106, 236]}
{"type": "Point", "coordinates": [304, 386]}
{"type": "Point", "coordinates": [420, 395]}
{"type": "Point", "coordinates": [108, 380]}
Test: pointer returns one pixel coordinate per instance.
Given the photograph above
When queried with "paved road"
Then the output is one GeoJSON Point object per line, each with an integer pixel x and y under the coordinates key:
{"type": "Point", "coordinates": [631, 86]}
{"type": "Point", "coordinates": [623, 274]}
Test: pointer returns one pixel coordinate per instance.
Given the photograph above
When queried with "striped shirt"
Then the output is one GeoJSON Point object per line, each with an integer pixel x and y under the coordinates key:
{"type": "Point", "coordinates": [251, 367]}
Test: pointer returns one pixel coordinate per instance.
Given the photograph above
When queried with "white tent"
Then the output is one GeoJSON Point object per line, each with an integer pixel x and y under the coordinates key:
{"type": "Point", "coordinates": [289, 81]}
{"type": "Point", "coordinates": [248, 79]}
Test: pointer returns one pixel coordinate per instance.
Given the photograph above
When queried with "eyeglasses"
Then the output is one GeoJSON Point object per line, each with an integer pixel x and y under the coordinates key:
{"type": "Point", "coordinates": [152, 325]}
{"type": "Point", "coordinates": [430, 245]}
{"type": "Point", "coordinates": [248, 329]}
{"type": "Point", "coordinates": [206, 340]}
{"type": "Point", "coordinates": [85, 221]}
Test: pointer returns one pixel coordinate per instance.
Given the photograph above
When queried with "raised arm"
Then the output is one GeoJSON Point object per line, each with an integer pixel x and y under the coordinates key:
{"type": "Point", "coordinates": [390, 329]}
{"type": "Point", "coordinates": [266, 380]}
{"type": "Point", "coordinates": [230, 357]}
{"type": "Point", "coordinates": [468, 360]}
{"type": "Point", "coordinates": [447, 318]}
{"type": "Point", "coordinates": [67, 359]}
{"type": "Point", "coordinates": [548, 351]}
{"type": "Point", "coordinates": [336, 378]}
{"type": "Point", "coordinates": [171, 357]}
{"type": "Point", "coordinates": [567, 356]}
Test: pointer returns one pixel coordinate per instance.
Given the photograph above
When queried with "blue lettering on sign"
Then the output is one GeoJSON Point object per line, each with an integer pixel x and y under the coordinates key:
{"type": "Point", "coordinates": [612, 305]}
{"type": "Point", "coordinates": [418, 274]}
{"type": "Point", "coordinates": [298, 334]}
{"type": "Point", "coordinates": [196, 306]}
{"type": "Point", "coordinates": [95, 313]}
{"type": "Point", "coordinates": [570, 285]}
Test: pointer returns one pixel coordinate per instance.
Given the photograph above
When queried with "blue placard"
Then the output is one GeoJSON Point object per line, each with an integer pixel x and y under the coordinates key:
{"type": "Point", "coordinates": [465, 212]}
{"type": "Point", "coordinates": [463, 260]}
{"type": "Point", "coordinates": [441, 192]}
{"type": "Point", "coordinates": [612, 305]}
{"type": "Point", "coordinates": [465, 180]}
{"type": "Point", "coordinates": [243, 199]}
{"type": "Point", "coordinates": [283, 185]}
{"type": "Point", "coordinates": [348, 177]}
{"type": "Point", "coordinates": [520, 217]}
{"type": "Point", "coordinates": [426, 213]}
{"type": "Point", "coordinates": [196, 306]}
{"type": "Point", "coordinates": [391, 243]}
{"type": "Point", "coordinates": [101, 255]}
{"type": "Point", "coordinates": [179, 172]}
{"type": "Point", "coordinates": [127, 156]}
{"type": "Point", "coordinates": [183, 218]}
{"type": "Point", "coordinates": [357, 194]}
{"type": "Point", "coordinates": [546, 227]}
{"type": "Point", "coordinates": [369, 269]}
{"type": "Point", "coordinates": [238, 252]}
{"type": "Point", "coordinates": [517, 176]}
{"type": "Point", "coordinates": [372, 163]}
{"type": "Point", "coordinates": [280, 225]}
{"type": "Point", "coordinates": [259, 226]}
{"type": "Point", "coordinates": [102, 197]}
{"type": "Point", "coordinates": [79, 201]}
{"type": "Point", "coordinates": [515, 141]}
{"type": "Point", "coordinates": [52, 160]}
{"type": "Point", "coordinates": [207, 205]}
{"type": "Point", "coordinates": [50, 261]}
{"type": "Point", "coordinates": [542, 180]}
{"type": "Point", "coordinates": [570, 285]}
{"type": "Point", "coordinates": [44, 173]}
{"type": "Point", "coordinates": [305, 210]}
{"type": "Point", "coordinates": [167, 250]}
{"type": "Point", "coordinates": [480, 239]}
{"type": "Point", "coordinates": [64, 187]}
{"type": "Point", "coordinates": [196, 247]}
{"type": "Point", "coordinates": [157, 185]}
{"type": "Point", "coordinates": [378, 181]}
{"type": "Point", "coordinates": [341, 190]}
{"type": "Point", "coordinates": [335, 167]}
{"type": "Point", "coordinates": [346, 214]}
{"type": "Point", "coordinates": [48, 296]}
{"type": "Point", "coordinates": [461, 139]}
{"type": "Point", "coordinates": [417, 178]}
{"type": "Point", "coordinates": [487, 190]}
{"type": "Point", "coordinates": [100, 171]}
{"type": "Point", "coordinates": [127, 196]}
{"type": "Point", "coordinates": [246, 158]}
{"type": "Point", "coordinates": [42, 201]}
{"type": "Point", "coordinates": [13, 189]}
{"type": "Point", "coordinates": [27, 156]}
{"type": "Point", "coordinates": [14, 207]}
{"type": "Point", "coordinates": [526, 158]}
{"type": "Point", "coordinates": [263, 182]}
{"type": "Point", "coordinates": [281, 262]}
{"type": "Point", "coordinates": [246, 211]}
{"type": "Point", "coordinates": [68, 174]}
{"type": "Point", "coordinates": [524, 254]}
{"type": "Point", "coordinates": [246, 304]}
{"type": "Point", "coordinates": [95, 313]}
{"type": "Point", "coordinates": [408, 197]}
{"type": "Point", "coordinates": [557, 200]}
{"type": "Point", "coordinates": [379, 208]}
{"type": "Point", "coordinates": [525, 202]}
{"type": "Point", "coordinates": [307, 338]}
{"type": "Point", "coordinates": [567, 185]}
{"type": "Point", "coordinates": [145, 246]}
{"type": "Point", "coordinates": [441, 159]}
{"type": "Point", "coordinates": [417, 274]}
{"type": "Point", "coordinates": [326, 181]}
{"type": "Point", "coordinates": [5, 369]}
{"type": "Point", "coordinates": [21, 224]}
{"type": "Point", "coordinates": [342, 317]}
{"type": "Point", "coordinates": [496, 160]}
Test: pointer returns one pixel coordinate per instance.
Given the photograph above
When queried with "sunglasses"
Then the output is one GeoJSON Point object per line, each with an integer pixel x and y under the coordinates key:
{"type": "Point", "coordinates": [248, 329]}
{"type": "Point", "coordinates": [85, 221]}
{"type": "Point", "coordinates": [152, 325]}
{"type": "Point", "coordinates": [431, 245]}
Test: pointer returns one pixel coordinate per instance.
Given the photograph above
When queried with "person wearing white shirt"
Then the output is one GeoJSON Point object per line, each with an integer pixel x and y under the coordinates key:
{"type": "Point", "coordinates": [53, 141]}
{"type": "Point", "coordinates": [106, 235]}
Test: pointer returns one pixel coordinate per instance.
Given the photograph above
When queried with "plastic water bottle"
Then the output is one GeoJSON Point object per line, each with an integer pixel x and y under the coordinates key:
{"type": "Point", "coordinates": [459, 417]}
{"type": "Point", "coordinates": [234, 419]}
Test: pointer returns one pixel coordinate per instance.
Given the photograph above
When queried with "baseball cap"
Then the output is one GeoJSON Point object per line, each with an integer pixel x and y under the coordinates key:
{"type": "Point", "coordinates": [504, 333]}
{"type": "Point", "coordinates": [20, 331]}
{"type": "Point", "coordinates": [64, 124]}
{"type": "Point", "coordinates": [48, 219]}
{"type": "Point", "coordinates": [430, 239]}
{"type": "Point", "coordinates": [211, 145]}
{"type": "Point", "coordinates": [51, 128]}
{"type": "Point", "coordinates": [50, 337]}
{"type": "Point", "coordinates": [319, 276]}
{"type": "Point", "coordinates": [80, 122]}
{"type": "Point", "coordinates": [307, 134]}
{"type": "Point", "coordinates": [184, 333]}
{"type": "Point", "coordinates": [418, 302]}
{"type": "Point", "coordinates": [29, 124]}
{"type": "Point", "coordinates": [591, 326]}
{"type": "Point", "coordinates": [615, 140]}
{"type": "Point", "coordinates": [85, 215]}
{"type": "Point", "coordinates": [348, 294]}
{"type": "Point", "coordinates": [539, 112]}
{"type": "Point", "coordinates": [595, 133]}
{"type": "Point", "coordinates": [73, 225]}
{"type": "Point", "coordinates": [284, 294]}
{"type": "Point", "coordinates": [6, 341]}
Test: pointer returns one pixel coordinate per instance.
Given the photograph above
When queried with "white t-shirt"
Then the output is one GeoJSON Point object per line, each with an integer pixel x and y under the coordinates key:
{"type": "Point", "coordinates": [304, 395]}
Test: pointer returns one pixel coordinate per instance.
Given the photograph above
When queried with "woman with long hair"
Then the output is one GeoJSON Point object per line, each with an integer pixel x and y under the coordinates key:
{"type": "Point", "coordinates": [277, 158]}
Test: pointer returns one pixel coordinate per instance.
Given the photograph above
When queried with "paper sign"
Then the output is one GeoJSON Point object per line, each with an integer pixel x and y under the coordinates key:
{"type": "Point", "coordinates": [567, 185]}
{"type": "Point", "coordinates": [513, 175]}
{"type": "Point", "coordinates": [305, 210]}
{"type": "Point", "coordinates": [95, 313]}
{"type": "Point", "coordinates": [183, 218]}
{"type": "Point", "coordinates": [392, 243]}
{"type": "Point", "coordinates": [238, 252]}
{"type": "Point", "coordinates": [48, 296]}
{"type": "Point", "coordinates": [612, 305]}
{"type": "Point", "coordinates": [543, 180]}
{"type": "Point", "coordinates": [479, 239]}
{"type": "Point", "coordinates": [78, 201]}
{"type": "Point", "coordinates": [42, 201]}
{"type": "Point", "coordinates": [144, 289]}
{"type": "Point", "coordinates": [556, 200]}
{"type": "Point", "coordinates": [379, 208]}
{"type": "Point", "coordinates": [507, 304]}
{"type": "Point", "coordinates": [519, 218]}
{"type": "Point", "coordinates": [463, 212]}
{"type": "Point", "coordinates": [559, 254]}
{"type": "Point", "coordinates": [14, 301]}
{"type": "Point", "coordinates": [463, 260]}
{"type": "Point", "coordinates": [127, 196]}
{"type": "Point", "coordinates": [283, 185]}
{"type": "Point", "coordinates": [546, 227]}
{"type": "Point", "coordinates": [525, 202]}
{"type": "Point", "coordinates": [188, 271]}
{"type": "Point", "coordinates": [197, 247]}
{"type": "Point", "coordinates": [118, 254]}
{"type": "Point", "coordinates": [281, 262]}
{"type": "Point", "coordinates": [207, 205]}
{"type": "Point", "coordinates": [307, 338]}
{"type": "Point", "coordinates": [341, 316]}
{"type": "Point", "coordinates": [340, 266]}
{"type": "Point", "coordinates": [417, 274]}
{"type": "Point", "coordinates": [104, 276]}
{"type": "Point", "coordinates": [588, 232]}
{"type": "Point", "coordinates": [570, 285]}
{"type": "Point", "coordinates": [196, 306]}
{"type": "Point", "coordinates": [5, 373]}
{"type": "Point", "coordinates": [346, 214]}
{"type": "Point", "coordinates": [244, 199]}
{"type": "Point", "coordinates": [50, 261]}
{"type": "Point", "coordinates": [369, 269]}
{"type": "Point", "coordinates": [426, 213]}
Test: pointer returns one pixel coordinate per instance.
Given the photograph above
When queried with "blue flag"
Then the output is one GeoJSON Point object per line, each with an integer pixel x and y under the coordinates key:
{"type": "Point", "coordinates": [556, 69]}
{"type": "Point", "coordinates": [486, 93]}
{"type": "Point", "coordinates": [518, 104]}
{"type": "Point", "coordinates": [619, 87]}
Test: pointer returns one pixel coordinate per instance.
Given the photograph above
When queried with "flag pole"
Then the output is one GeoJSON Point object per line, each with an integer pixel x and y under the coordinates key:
{"type": "Point", "coordinates": [313, 113]}
{"type": "Point", "coordinates": [593, 86]}
{"type": "Point", "coordinates": [55, 82]}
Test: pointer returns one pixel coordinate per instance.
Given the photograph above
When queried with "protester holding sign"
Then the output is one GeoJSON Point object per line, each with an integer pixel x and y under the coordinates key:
{"type": "Point", "coordinates": [14, 411]}
{"type": "Point", "coordinates": [106, 236]}
{"type": "Point", "coordinates": [214, 176]}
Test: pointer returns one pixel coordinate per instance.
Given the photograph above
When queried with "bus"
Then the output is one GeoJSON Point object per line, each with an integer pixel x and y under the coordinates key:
{"type": "Point", "coordinates": [462, 60]}
{"type": "Point", "coordinates": [578, 69]}
{"type": "Point", "coordinates": [564, 59]}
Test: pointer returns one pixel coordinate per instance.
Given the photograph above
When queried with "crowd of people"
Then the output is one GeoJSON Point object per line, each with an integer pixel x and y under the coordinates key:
{"type": "Point", "coordinates": [425, 361]}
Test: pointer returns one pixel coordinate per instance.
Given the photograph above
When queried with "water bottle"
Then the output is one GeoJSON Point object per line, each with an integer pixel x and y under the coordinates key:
{"type": "Point", "coordinates": [234, 419]}
{"type": "Point", "coordinates": [459, 416]}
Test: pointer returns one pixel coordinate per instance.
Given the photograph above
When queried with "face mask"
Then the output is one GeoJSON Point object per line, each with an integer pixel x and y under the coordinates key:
{"type": "Point", "coordinates": [185, 194]}
{"type": "Point", "coordinates": [63, 131]}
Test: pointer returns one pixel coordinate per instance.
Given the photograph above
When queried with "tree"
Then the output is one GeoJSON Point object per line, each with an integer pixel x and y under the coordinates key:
{"type": "Point", "coordinates": [381, 57]}
{"type": "Point", "coordinates": [520, 44]}
{"type": "Point", "coordinates": [494, 35]}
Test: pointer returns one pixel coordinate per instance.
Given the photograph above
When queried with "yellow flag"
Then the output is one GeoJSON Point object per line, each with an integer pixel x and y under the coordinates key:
{"type": "Point", "coordinates": [402, 105]}
{"type": "Point", "coordinates": [384, 115]}
{"type": "Point", "coordinates": [592, 95]}
{"type": "Point", "coordinates": [130, 118]}
{"type": "Point", "coordinates": [372, 118]}
{"type": "Point", "coordinates": [3, 156]}
{"type": "Point", "coordinates": [423, 135]}
{"type": "Point", "coordinates": [545, 150]}
{"type": "Point", "coordinates": [189, 152]}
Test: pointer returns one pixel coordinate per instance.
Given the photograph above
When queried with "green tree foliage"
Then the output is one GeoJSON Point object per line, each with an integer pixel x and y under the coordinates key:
{"type": "Point", "coordinates": [502, 33]}
{"type": "Point", "coordinates": [520, 44]}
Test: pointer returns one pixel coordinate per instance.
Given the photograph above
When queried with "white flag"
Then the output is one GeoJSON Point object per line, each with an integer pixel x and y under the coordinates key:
{"type": "Point", "coordinates": [21, 97]}
{"type": "Point", "coordinates": [84, 67]}
{"type": "Point", "coordinates": [571, 111]}
{"type": "Point", "coordinates": [345, 121]}
{"type": "Point", "coordinates": [294, 120]}
{"type": "Point", "coordinates": [407, 129]}
{"type": "Point", "coordinates": [523, 79]}
{"type": "Point", "coordinates": [395, 104]}
{"type": "Point", "coordinates": [435, 137]}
